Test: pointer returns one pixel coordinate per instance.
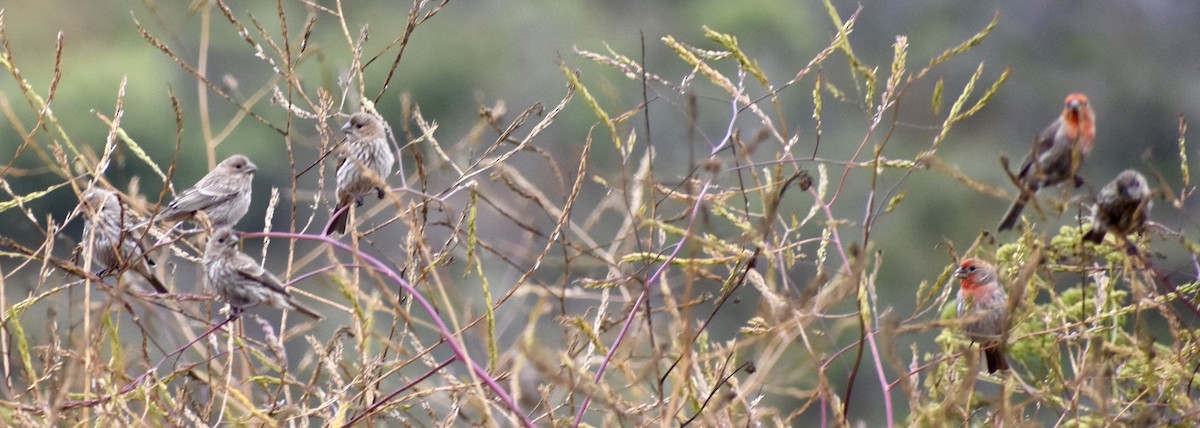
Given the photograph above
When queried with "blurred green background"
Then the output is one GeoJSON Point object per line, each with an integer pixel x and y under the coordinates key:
{"type": "Point", "coordinates": [1137, 61]}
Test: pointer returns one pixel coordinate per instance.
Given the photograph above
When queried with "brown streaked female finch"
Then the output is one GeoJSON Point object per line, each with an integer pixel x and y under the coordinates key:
{"type": "Point", "coordinates": [108, 240]}
{"type": "Point", "coordinates": [1057, 154]}
{"type": "Point", "coordinates": [982, 306]}
{"type": "Point", "coordinates": [1122, 206]}
{"type": "Point", "coordinates": [223, 195]}
{"type": "Point", "coordinates": [365, 149]}
{"type": "Point", "coordinates": [241, 281]}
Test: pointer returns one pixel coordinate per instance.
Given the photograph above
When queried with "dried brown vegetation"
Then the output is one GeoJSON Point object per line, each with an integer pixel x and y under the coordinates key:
{"type": "Point", "coordinates": [498, 283]}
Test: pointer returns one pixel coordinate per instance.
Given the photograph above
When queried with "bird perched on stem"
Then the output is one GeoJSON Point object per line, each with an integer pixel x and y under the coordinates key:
{"type": "Point", "coordinates": [982, 307]}
{"type": "Point", "coordinates": [108, 240]}
{"type": "Point", "coordinates": [241, 281]}
{"type": "Point", "coordinates": [1057, 154]}
{"type": "Point", "coordinates": [1121, 208]}
{"type": "Point", "coordinates": [365, 150]}
{"type": "Point", "coordinates": [223, 195]}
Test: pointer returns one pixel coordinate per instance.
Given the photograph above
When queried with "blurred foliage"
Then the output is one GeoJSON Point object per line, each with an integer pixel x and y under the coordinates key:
{"type": "Point", "coordinates": [766, 299]}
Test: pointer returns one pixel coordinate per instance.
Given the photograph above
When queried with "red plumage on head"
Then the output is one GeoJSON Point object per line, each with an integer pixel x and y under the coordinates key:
{"type": "Point", "coordinates": [975, 273]}
{"type": "Point", "coordinates": [1080, 119]}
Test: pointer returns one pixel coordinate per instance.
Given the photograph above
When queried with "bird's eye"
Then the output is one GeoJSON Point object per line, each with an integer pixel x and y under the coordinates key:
{"type": "Point", "coordinates": [359, 126]}
{"type": "Point", "coordinates": [970, 268]}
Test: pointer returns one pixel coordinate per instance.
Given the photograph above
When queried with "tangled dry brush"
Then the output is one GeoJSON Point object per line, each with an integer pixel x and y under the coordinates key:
{"type": "Point", "coordinates": [637, 276]}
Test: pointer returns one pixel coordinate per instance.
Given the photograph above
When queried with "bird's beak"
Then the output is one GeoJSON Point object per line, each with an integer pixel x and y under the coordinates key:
{"type": "Point", "coordinates": [1074, 105]}
{"type": "Point", "coordinates": [346, 128]}
{"type": "Point", "coordinates": [960, 273]}
{"type": "Point", "coordinates": [251, 167]}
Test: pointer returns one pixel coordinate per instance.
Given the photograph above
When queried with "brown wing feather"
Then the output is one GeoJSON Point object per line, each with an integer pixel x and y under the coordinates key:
{"type": "Point", "coordinates": [1042, 144]}
{"type": "Point", "coordinates": [193, 200]}
{"type": "Point", "coordinates": [338, 223]}
{"type": "Point", "coordinates": [249, 269]}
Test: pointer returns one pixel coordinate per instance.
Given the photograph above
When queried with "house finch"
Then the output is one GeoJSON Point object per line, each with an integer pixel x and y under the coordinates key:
{"type": "Point", "coordinates": [1122, 207]}
{"type": "Point", "coordinates": [241, 281]}
{"type": "Point", "coordinates": [112, 244]}
{"type": "Point", "coordinates": [1057, 154]}
{"type": "Point", "coordinates": [365, 148]}
{"type": "Point", "coordinates": [982, 303]}
{"type": "Point", "coordinates": [223, 194]}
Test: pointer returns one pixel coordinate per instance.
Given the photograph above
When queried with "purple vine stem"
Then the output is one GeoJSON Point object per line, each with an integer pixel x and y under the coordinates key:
{"type": "Point", "coordinates": [379, 403]}
{"type": "Point", "coordinates": [637, 305]}
{"type": "Point", "coordinates": [459, 353]}
{"type": "Point", "coordinates": [836, 239]}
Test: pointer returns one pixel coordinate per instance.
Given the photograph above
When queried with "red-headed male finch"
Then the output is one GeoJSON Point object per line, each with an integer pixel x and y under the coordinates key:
{"type": "Point", "coordinates": [982, 303]}
{"type": "Point", "coordinates": [223, 194]}
{"type": "Point", "coordinates": [1057, 154]}
{"type": "Point", "coordinates": [108, 240]}
{"type": "Point", "coordinates": [365, 149]}
{"type": "Point", "coordinates": [241, 281]}
{"type": "Point", "coordinates": [1122, 206]}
